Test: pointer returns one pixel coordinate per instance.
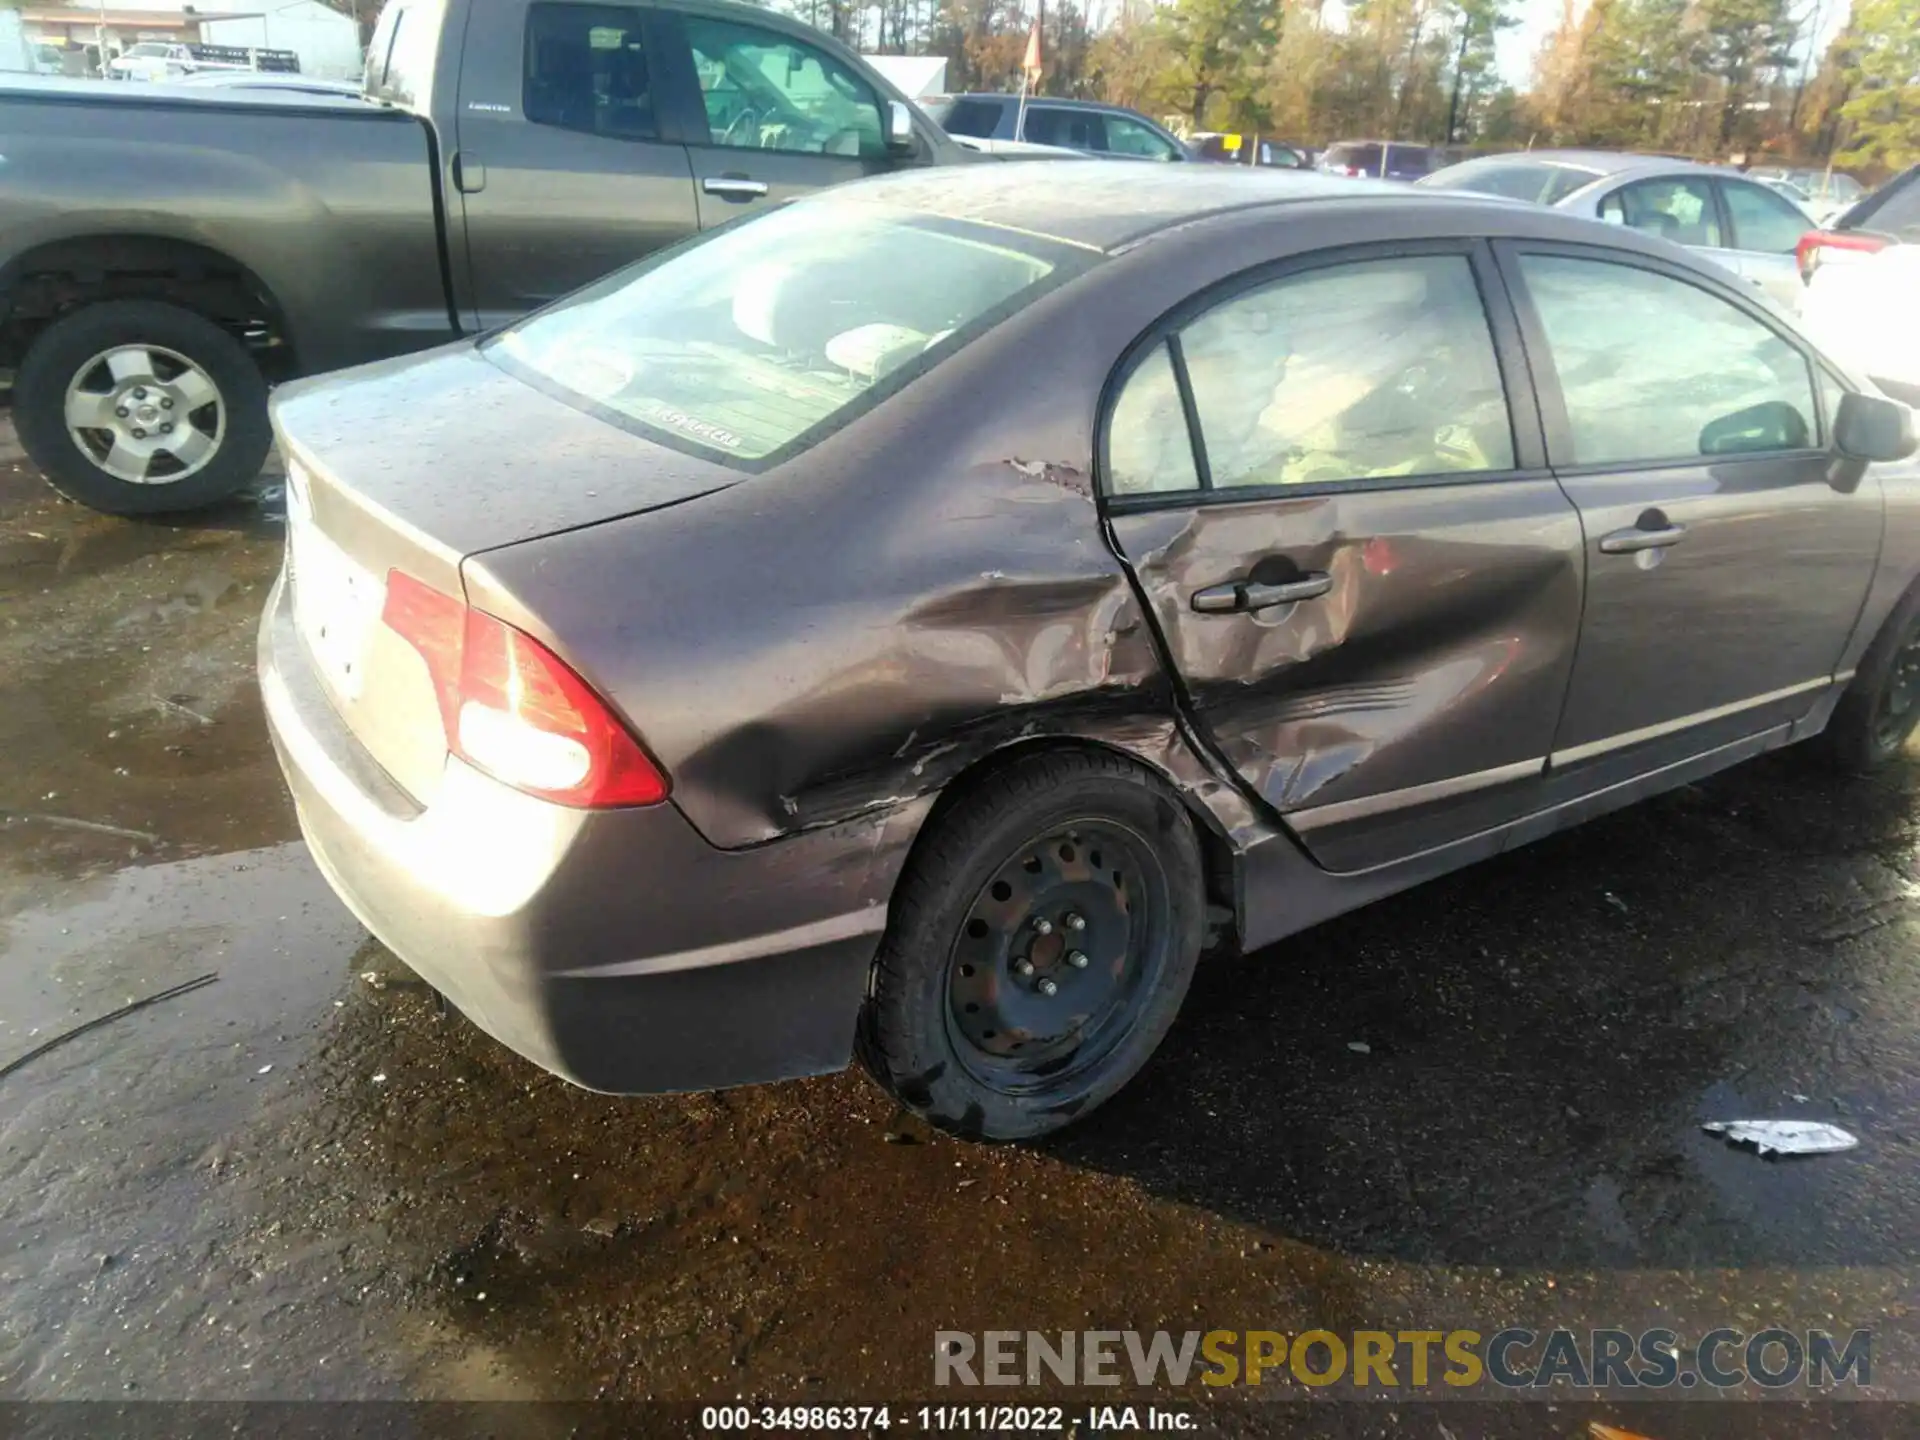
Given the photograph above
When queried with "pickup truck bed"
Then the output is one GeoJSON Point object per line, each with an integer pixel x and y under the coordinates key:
{"type": "Point", "coordinates": [168, 252]}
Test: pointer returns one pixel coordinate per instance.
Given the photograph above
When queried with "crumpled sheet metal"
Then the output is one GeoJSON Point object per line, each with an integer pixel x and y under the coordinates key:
{"type": "Point", "coordinates": [1784, 1137]}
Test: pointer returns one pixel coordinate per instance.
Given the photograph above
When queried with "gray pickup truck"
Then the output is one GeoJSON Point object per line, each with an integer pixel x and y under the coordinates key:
{"type": "Point", "coordinates": [167, 253]}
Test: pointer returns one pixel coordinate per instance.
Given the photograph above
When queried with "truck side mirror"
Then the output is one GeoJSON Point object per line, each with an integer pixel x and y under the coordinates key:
{"type": "Point", "coordinates": [899, 128]}
{"type": "Point", "coordinates": [1874, 429]}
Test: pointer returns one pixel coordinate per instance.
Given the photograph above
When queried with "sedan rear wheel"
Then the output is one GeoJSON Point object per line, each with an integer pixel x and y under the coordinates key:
{"type": "Point", "coordinates": [1039, 946]}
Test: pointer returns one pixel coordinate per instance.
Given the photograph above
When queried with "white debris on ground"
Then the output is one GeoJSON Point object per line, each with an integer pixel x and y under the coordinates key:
{"type": "Point", "coordinates": [1784, 1137]}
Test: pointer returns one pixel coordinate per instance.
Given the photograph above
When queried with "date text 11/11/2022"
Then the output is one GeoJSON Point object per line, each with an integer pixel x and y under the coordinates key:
{"type": "Point", "coordinates": [978, 1419]}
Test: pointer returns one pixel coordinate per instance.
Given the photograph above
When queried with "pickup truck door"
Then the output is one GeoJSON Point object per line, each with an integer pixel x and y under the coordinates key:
{"type": "Point", "coordinates": [568, 163]}
{"type": "Point", "coordinates": [766, 115]}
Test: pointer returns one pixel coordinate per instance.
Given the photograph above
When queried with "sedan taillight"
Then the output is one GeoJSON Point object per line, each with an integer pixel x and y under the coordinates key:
{"type": "Point", "coordinates": [1808, 251]}
{"type": "Point", "coordinates": [511, 707]}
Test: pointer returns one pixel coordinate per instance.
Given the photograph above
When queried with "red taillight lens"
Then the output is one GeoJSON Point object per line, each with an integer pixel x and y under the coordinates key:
{"type": "Point", "coordinates": [1807, 252]}
{"type": "Point", "coordinates": [511, 707]}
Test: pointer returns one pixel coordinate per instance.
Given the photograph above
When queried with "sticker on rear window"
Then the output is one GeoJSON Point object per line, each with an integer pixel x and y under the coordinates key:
{"type": "Point", "coordinates": [692, 425]}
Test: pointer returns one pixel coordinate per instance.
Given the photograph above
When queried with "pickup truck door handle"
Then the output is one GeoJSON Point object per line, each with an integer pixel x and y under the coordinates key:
{"type": "Point", "coordinates": [1629, 542]}
{"type": "Point", "coordinates": [1238, 595]}
{"type": "Point", "coordinates": [469, 175]}
{"type": "Point", "coordinates": [734, 187]}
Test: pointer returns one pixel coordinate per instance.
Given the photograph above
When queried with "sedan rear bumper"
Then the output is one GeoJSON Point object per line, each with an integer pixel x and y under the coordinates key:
{"type": "Point", "coordinates": [616, 948]}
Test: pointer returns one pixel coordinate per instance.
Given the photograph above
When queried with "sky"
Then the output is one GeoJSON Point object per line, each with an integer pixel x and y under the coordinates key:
{"type": "Point", "coordinates": [1518, 46]}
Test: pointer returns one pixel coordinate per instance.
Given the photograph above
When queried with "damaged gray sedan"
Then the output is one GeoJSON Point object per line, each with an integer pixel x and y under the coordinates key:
{"type": "Point", "coordinates": [913, 624]}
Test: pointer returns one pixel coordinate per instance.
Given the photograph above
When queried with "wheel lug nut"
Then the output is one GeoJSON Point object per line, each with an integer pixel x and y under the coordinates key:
{"type": "Point", "coordinates": [1047, 987]}
{"type": "Point", "coordinates": [121, 411]}
{"type": "Point", "coordinates": [139, 394]}
{"type": "Point", "coordinates": [138, 433]}
{"type": "Point", "coordinates": [167, 429]}
{"type": "Point", "coordinates": [1076, 923]}
{"type": "Point", "coordinates": [1023, 967]}
{"type": "Point", "coordinates": [166, 404]}
{"type": "Point", "coordinates": [1078, 960]}
{"type": "Point", "coordinates": [1043, 926]}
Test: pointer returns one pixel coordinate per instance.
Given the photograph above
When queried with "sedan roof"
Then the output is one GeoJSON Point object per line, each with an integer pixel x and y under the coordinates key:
{"type": "Point", "coordinates": [1606, 162]}
{"type": "Point", "coordinates": [1107, 207]}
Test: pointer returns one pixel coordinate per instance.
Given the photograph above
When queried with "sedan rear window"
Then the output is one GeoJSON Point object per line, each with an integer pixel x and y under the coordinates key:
{"type": "Point", "coordinates": [1534, 180]}
{"type": "Point", "coordinates": [753, 341]}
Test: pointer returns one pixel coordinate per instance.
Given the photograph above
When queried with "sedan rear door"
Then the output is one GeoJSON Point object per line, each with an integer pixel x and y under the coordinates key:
{"type": "Point", "coordinates": [1365, 578]}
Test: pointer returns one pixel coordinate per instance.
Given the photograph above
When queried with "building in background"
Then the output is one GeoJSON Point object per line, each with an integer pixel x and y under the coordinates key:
{"type": "Point", "coordinates": [915, 76]}
{"type": "Point", "coordinates": [326, 40]}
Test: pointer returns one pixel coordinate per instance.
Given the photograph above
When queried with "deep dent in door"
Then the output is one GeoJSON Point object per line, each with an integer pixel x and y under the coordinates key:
{"type": "Point", "coordinates": [1439, 656]}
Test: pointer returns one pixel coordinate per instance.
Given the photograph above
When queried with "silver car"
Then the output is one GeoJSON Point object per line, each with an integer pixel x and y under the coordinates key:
{"type": "Point", "coordinates": [1742, 224]}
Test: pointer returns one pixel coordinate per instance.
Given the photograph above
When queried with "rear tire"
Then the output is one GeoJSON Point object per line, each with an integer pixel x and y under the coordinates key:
{"type": "Point", "coordinates": [1877, 713]}
{"type": "Point", "coordinates": [995, 1028]}
{"type": "Point", "coordinates": [78, 402]}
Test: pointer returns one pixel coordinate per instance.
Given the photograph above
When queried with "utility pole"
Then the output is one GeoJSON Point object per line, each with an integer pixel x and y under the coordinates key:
{"type": "Point", "coordinates": [1459, 68]}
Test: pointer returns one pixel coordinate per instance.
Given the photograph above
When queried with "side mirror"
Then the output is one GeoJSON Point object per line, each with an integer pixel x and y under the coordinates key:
{"type": "Point", "coordinates": [899, 128]}
{"type": "Point", "coordinates": [1871, 428]}
{"type": "Point", "coordinates": [1757, 429]}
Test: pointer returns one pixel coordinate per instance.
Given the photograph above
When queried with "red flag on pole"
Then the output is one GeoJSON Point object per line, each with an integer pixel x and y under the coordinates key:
{"type": "Point", "coordinates": [1031, 65]}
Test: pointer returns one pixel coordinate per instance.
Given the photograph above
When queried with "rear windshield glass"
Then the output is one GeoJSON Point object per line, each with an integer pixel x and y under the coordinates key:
{"type": "Point", "coordinates": [1534, 180]}
{"type": "Point", "coordinates": [1895, 210]}
{"type": "Point", "coordinates": [1365, 157]}
{"type": "Point", "coordinates": [978, 118]}
{"type": "Point", "coordinates": [751, 342]}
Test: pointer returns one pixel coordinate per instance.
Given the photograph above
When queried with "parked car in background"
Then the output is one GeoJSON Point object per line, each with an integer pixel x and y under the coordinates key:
{"type": "Point", "coordinates": [1226, 148]}
{"type": "Point", "coordinates": [1018, 149]}
{"type": "Point", "coordinates": [160, 263]}
{"type": "Point", "coordinates": [1793, 192]}
{"type": "Point", "coordinates": [1380, 159]}
{"type": "Point", "coordinates": [1863, 286]}
{"type": "Point", "coordinates": [1208, 556]}
{"type": "Point", "coordinates": [1889, 216]}
{"type": "Point", "coordinates": [1108, 131]}
{"type": "Point", "coordinates": [1741, 224]}
{"type": "Point", "coordinates": [1827, 191]}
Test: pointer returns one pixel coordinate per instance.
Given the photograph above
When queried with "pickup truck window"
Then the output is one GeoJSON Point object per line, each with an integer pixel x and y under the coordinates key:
{"type": "Point", "coordinates": [587, 70]}
{"type": "Point", "coordinates": [408, 76]}
{"type": "Point", "coordinates": [765, 91]}
{"type": "Point", "coordinates": [750, 343]}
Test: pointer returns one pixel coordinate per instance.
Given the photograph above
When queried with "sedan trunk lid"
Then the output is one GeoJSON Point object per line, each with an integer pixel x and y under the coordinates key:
{"type": "Point", "coordinates": [414, 465]}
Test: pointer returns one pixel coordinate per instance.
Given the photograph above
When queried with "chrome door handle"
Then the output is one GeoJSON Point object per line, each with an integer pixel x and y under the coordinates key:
{"type": "Point", "coordinates": [1239, 595]}
{"type": "Point", "coordinates": [734, 187]}
{"type": "Point", "coordinates": [1629, 542]}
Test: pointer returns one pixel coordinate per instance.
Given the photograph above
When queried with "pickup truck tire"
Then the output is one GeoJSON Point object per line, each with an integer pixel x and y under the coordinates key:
{"type": "Point", "coordinates": [1038, 946]}
{"type": "Point", "coordinates": [137, 407]}
{"type": "Point", "coordinates": [1872, 722]}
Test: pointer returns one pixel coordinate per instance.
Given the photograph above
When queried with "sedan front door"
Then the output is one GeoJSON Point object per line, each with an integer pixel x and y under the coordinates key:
{"type": "Point", "coordinates": [1724, 572]}
{"type": "Point", "coordinates": [1366, 580]}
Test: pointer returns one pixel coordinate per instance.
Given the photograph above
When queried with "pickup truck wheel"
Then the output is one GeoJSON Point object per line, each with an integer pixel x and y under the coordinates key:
{"type": "Point", "coordinates": [1875, 717]}
{"type": "Point", "coordinates": [136, 407]}
{"type": "Point", "coordinates": [1039, 945]}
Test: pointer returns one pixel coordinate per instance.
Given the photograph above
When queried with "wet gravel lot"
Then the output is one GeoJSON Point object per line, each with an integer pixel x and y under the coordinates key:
{"type": "Point", "coordinates": [1476, 1105]}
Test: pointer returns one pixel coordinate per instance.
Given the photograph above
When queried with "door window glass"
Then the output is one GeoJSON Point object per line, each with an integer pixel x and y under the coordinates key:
{"type": "Point", "coordinates": [587, 70]}
{"type": "Point", "coordinates": [978, 118]}
{"type": "Point", "coordinates": [1075, 129]}
{"type": "Point", "coordinates": [1763, 221]}
{"type": "Point", "coordinates": [764, 91]}
{"type": "Point", "coordinates": [1130, 137]}
{"type": "Point", "coordinates": [1353, 372]}
{"type": "Point", "coordinates": [1653, 368]}
{"type": "Point", "coordinates": [1148, 445]}
{"type": "Point", "coordinates": [1678, 209]}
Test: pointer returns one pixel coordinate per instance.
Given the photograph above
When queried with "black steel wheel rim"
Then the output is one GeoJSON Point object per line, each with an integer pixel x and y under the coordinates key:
{"type": "Point", "coordinates": [1901, 694]}
{"type": "Point", "coordinates": [1056, 956]}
